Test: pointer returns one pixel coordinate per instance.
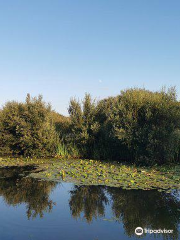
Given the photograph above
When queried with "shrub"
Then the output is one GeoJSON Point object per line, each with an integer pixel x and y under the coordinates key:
{"type": "Point", "coordinates": [61, 123]}
{"type": "Point", "coordinates": [108, 146]}
{"type": "Point", "coordinates": [27, 129]}
{"type": "Point", "coordinates": [138, 125]}
{"type": "Point", "coordinates": [84, 126]}
{"type": "Point", "coordinates": [148, 123]}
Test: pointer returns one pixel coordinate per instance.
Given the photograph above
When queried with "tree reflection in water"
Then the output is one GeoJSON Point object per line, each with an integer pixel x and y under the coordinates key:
{"type": "Point", "coordinates": [132, 208]}
{"type": "Point", "coordinates": [91, 200]}
{"type": "Point", "coordinates": [147, 209]}
{"type": "Point", "coordinates": [17, 190]}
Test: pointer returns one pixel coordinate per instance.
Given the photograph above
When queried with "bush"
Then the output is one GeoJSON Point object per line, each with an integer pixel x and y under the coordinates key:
{"type": "Point", "coordinates": [108, 146]}
{"type": "Point", "coordinates": [138, 125]}
{"type": "Point", "coordinates": [148, 124]}
{"type": "Point", "coordinates": [27, 129]}
{"type": "Point", "coordinates": [84, 126]}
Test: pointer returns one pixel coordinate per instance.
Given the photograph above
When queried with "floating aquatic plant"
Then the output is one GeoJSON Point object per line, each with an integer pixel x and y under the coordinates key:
{"type": "Point", "coordinates": [92, 172]}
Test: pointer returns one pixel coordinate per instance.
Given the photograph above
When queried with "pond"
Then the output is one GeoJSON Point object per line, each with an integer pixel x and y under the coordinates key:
{"type": "Point", "coordinates": [32, 209]}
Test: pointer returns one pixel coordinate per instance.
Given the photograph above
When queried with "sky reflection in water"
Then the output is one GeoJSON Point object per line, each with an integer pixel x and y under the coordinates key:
{"type": "Point", "coordinates": [41, 210]}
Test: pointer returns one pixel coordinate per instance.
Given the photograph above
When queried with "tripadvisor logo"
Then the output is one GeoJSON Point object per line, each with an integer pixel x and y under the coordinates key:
{"type": "Point", "coordinates": [138, 231]}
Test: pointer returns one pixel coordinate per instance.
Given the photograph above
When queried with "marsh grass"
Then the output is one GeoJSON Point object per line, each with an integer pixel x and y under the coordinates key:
{"type": "Point", "coordinates": [62, 151]}
{"type": "Point", "coordinates": [67, 151]}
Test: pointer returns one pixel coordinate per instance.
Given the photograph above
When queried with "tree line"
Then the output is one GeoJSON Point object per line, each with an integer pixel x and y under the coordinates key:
{"type": "Point", "coordinates": [137, 126]}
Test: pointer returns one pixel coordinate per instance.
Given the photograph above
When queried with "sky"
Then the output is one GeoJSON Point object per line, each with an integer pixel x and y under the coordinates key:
{"type": "Point", "coordinates": [65, 48]}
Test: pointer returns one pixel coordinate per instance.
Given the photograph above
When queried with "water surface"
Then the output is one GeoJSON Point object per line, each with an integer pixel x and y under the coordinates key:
{"type": "Point", "coordinates": [31, 209]}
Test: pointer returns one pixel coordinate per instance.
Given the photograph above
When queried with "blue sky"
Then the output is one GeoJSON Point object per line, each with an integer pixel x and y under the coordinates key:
{"type": "Point", "coordinates": [63, 48]}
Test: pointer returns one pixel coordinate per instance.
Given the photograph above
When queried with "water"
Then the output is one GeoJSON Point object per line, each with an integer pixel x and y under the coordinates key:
{"type": "Point", "coordinates": [41, 210]}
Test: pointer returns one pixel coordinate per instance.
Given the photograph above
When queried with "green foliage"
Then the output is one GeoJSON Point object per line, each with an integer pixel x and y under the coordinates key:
{"type": "Point", "coordinates": [137, 125]}
{"type": "Point", "coordinates": [93, 172]}
{"type": "Point", "coordinates": [84, 126]}
{"type": "Point", "coordinates": [27, 129]}
{"type": "Point", "coordinates": [67, 151]}
{"type": "Point", "coordinates": [61, 123]}
{"type": "Point", "coordinates": [62, 151]}
{"type": "Point", "coordinates": [147, 123]}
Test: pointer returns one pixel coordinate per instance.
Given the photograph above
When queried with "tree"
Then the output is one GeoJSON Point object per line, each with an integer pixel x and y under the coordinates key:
{"type": "Point", "coordinates": [84, 126]}
{"type": "Point", "coordinates": [148, 124]}
{"type": "Point", "coordinates": [27, 128]}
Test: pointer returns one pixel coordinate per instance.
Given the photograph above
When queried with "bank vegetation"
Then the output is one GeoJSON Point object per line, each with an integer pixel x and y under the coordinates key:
{"type": "Point", "coordinates": [137, 126]}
